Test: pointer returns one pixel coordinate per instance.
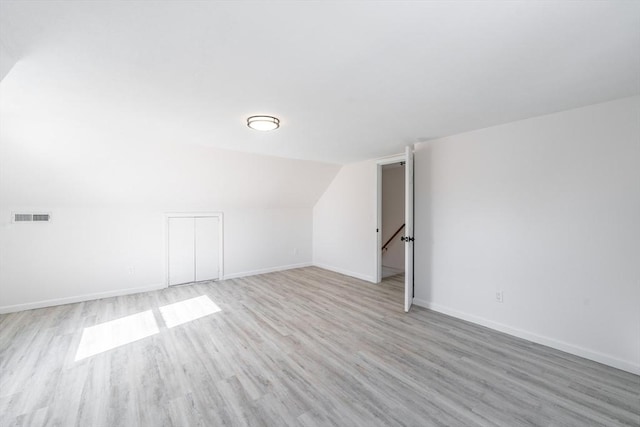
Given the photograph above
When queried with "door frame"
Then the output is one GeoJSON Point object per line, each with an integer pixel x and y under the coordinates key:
{"type": "Point", "coordinates": [378, 252]}
{"type": "Point", "coordinates": [169, 215]}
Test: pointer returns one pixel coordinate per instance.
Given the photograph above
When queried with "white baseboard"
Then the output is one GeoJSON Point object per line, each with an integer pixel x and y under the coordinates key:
{"type": "Point", "coordinates": [390, 271]}
{"type": "Point", "coordinates": [346, 272]}
{"type": "Point", "coordinates": [78, 298]}
{"type": "Point", "coordinates": [120, 292]}
{"type": "Point", "coordinates": [530, 336]}
{"type": "Point", "coordinates": [265, 270]}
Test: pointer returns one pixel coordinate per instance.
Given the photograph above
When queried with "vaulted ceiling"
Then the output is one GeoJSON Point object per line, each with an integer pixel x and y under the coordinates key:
{"type": "Point", "coordinates": [349, 80]}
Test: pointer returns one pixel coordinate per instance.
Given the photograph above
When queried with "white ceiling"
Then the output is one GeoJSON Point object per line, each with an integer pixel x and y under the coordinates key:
{"type": "Point", "coordinates": [349, 80]}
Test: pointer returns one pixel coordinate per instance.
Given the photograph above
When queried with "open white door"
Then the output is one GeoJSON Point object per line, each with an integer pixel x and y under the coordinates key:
{"type": "Point", "coordinates": [408, 238]}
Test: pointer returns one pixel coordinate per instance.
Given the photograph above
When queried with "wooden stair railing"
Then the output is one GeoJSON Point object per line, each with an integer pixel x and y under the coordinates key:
{"type": "Point", "coordinates": [384, 247]}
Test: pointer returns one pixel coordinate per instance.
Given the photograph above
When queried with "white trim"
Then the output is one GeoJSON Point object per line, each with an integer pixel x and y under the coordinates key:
{"type": "Point", "coordinates": [219, 215]}
{"type": "Point", "coordinates": [389, 160]}
{"type": "Point", "coordinates": [393, 270]}
{"type": "Point", "coordinates": [266, 270]}
{"type": "Point", "coordinates": [530, 336]}
{"type": "Point", "coordinates": [346, 272]}
{"type": "Point", "coordinates": [78, 298]}
{"type": "Point", "coordinates": [128, 291]}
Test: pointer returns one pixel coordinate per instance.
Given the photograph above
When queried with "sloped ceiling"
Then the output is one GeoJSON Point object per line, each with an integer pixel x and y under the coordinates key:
{"type": "Point", "coordinates": [349, 80]}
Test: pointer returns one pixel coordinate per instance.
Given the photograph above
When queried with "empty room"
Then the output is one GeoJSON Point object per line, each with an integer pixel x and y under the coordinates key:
{"type": "Point", "coordinates": [319, 213]}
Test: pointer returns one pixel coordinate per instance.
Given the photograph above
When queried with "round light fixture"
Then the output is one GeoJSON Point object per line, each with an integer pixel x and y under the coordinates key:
{"type": "Point", "coordinates": [263, 122]}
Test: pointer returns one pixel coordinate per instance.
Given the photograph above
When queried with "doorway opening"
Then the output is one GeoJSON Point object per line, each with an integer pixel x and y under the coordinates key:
{"type": "Point", "coordinates": [395, 229]}
{"type": "Point", "coordinates": [392, 223]}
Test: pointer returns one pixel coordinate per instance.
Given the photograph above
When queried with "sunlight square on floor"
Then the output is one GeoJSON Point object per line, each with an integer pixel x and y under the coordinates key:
{"type": "Point", "coordinates": [188, 310]}
{"type": "Point", "coordinates": [115, 333]}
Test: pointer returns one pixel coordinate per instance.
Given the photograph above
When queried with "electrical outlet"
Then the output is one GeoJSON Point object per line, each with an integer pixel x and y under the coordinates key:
{"type": "Point", "coordinates": [295, 251]}
{"type": "Point", "coordinates": [499, 296]}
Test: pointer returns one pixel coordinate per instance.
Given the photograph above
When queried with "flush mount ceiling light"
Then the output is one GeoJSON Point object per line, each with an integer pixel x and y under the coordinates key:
{"type": "Point", "coordinates": [263, 122]}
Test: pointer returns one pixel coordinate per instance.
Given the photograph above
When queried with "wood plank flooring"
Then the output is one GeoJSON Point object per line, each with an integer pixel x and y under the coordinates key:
{"type": "Point", "coordinates": [302, 347]}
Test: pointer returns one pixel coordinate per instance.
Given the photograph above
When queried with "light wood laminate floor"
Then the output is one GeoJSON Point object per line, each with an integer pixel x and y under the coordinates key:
{"type": "Point", "coordinates": [301, 347]}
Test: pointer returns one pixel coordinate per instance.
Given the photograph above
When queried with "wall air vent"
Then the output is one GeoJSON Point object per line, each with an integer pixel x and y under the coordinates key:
{"type": "Point", "coordinates": [31, 217]}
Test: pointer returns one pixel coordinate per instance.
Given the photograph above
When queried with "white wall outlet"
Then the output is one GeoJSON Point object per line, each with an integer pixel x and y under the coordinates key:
{"type": "Point", "coordinates": [499, 296]}
{"type": "Point", "coordinates": [295, 251]}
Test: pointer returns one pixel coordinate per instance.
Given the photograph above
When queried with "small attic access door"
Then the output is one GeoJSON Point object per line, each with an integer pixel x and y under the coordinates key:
{"type": "Point", "coordinates": [194, 248]}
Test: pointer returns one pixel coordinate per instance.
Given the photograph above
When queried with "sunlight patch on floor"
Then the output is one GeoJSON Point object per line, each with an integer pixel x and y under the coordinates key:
{"type": "Point", "coordinates": [188, 310]}
{"type": "Point", "coordinates": [115, 333]}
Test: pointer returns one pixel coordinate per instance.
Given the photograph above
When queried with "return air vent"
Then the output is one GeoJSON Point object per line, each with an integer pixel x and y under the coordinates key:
{"type": "Point", "coordinates": [31, 217]}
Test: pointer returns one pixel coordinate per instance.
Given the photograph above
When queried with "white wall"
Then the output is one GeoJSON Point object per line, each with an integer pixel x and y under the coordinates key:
{"type": "Point", "coordinates": [107, 198]}
{"type": "Point", "coordinates": [546, 210]}
{"type": "Point", "coordinates": [7, 60]}
{"type": "Point", "coordinates": [344, 223]}
{"type": "Point", "coordinates": [393, 215]}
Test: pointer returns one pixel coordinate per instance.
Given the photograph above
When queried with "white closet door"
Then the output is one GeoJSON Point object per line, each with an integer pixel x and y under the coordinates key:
{"type": "Point", "coordinates": [181, 250]}
{"type": "Point", "coordinates": [207, 248]}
